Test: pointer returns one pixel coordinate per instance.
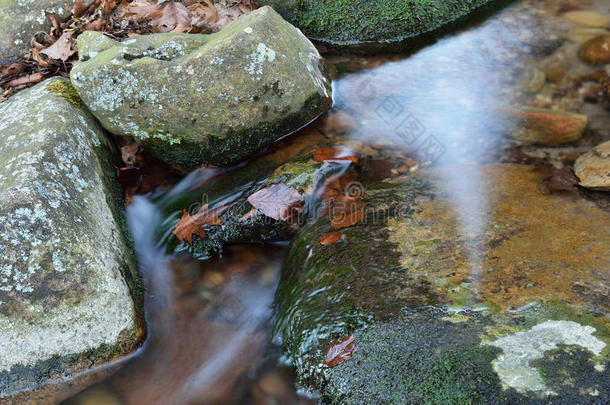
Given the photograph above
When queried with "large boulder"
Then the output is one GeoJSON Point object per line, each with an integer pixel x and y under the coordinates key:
{"type": "Point", "coordinates": [196, 99]}
{"type": "Point", "coordinates": [461, 284]}
{"type": "Point", "coordinates": [21, 19]}
{"type": "Point", "coordinates": [373, 25]}
{"type": "Point", "coordinates": [66, 268]}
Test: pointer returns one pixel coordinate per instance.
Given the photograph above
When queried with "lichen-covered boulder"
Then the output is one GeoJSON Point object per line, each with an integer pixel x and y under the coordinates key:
{"type": "Point", "coordinates": [21, 19]}
{"type": "Point", "coordinates": [65, 266]}
{"type": "Point", "coordinates": [460, 284]}
{"type": "Point", "coordinates": [374, 25]}
{"type": "Point", "coordinates": [195, 99]}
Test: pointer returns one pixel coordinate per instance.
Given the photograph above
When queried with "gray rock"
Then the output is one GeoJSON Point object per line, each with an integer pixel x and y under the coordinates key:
{"type": "Point", "coordinates": [198, 99]}
{"type": "Point", "coordinates": [64, 261]}
{"type": "Point", "coordinates": [21, 19]}
{"type": "Point", "coordinates": [593, 168]}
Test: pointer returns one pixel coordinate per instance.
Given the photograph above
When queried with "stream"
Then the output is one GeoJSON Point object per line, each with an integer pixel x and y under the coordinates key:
{"type": "Point", "coordinates": [210, 323]}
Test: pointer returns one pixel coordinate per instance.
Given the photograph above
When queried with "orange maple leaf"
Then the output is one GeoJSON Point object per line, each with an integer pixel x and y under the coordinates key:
{"type": "Point", "coordinates": [190, 225]}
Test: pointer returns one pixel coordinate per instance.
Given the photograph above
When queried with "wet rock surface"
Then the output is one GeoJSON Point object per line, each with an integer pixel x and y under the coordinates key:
{"type": "Point", "coordinates": [593, 168]}
{"type": "Point", "coordinates": [65, 304]}
{"type": "Point", "coordinates": [194, 99]}
{"type": "Point", "coordinates": [496, 268]}
{"type": "Point", "coordinates": [21, 19]}
{"type": "Point", "coordinates": [231, 196]}
{"type": "Point", "coordinates": [369, 25]}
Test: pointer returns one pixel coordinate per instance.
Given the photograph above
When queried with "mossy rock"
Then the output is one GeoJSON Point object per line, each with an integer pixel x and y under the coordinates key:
{"type": "Point", "coordinates": [242, 223]}
{"type": "Point", "coordinates": [444, 283]}
{"type": "Point", "coordinates": [194, 99]}
{"type": "Point", "coordinates": [68, 273]}
{"type": "Point", "coordinates": [379, 25]}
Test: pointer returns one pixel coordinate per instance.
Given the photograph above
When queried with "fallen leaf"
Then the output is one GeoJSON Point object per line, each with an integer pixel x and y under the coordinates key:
{"type": "Point", "coordinates": [129, 154]}
{"type": "Point", "coordinates": [12, 69]}
{"type": "Point", "coordinates": [62, 49]}
{"type": "Point", "coordinates": [190, 225]}
{"type": "Point", "coordinates": [25, 80]}
{"type": "Point", "coordinates": [347, 213]}
{"type": "Point", "coordinates": [330, 238]}
{"type": "Point", "coordinates": [341, 350]}
{"type": "Point", "coordinates": [323, 154]}
{"type": "Point", "coordinates": [79, 8]}
{"type": "Point", "coordinates": [174, 18]}
{"type": "Point", "coordinates": [278, 201]}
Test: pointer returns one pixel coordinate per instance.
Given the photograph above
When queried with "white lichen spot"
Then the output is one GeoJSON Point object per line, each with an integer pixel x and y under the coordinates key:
{"type": "Point", "coordinates": [248, 30]}
{"type": "Point", "coordinates": [257, 58]}
{"type": "Point", "coordinates": [519, 349]}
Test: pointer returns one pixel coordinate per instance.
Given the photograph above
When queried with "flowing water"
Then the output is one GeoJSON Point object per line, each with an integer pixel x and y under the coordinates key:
{"type": "Point", "coordinates": [209, 322]}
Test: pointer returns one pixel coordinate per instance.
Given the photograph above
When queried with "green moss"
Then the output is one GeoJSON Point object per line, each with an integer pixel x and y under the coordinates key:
{"type": "Point", "coordinates": [378, 24]}
{"type": "Point", "coordinates": [65, 89]}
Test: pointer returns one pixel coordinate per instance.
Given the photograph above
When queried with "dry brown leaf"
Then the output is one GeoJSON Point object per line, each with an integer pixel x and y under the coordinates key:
{"type": "Point", "coordinates": [341, 350]}
{"type": "Point", "coordinates": [190, 225]}
{"type": "Point", "coordinates": [79, 8]}
{"type": "Point", "coordinates": [278, 201]}
{"type": "Point", "coordinates": [330, 238]}
{"type": "Point", "coordinates": [339, 153]}
{"type": "Point", "coordinates": [62, 49]}
{"type": "Point", "coordinates": [12, 69]}
{"type": "Point", "coordinates": [25, 80]}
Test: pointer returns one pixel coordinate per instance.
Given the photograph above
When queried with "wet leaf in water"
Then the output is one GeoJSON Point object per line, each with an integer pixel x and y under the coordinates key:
{"type": "Point", "coordinates": [279, 201]}
{"type": "Point", "coordinates": [347, 212]}
{"type": "Point", "coordinates": [330, 238]}
{"type": "Point", "coordinates": [190, 225]}
{"type": "Point", "coordinates": [323, 154]}
{"type": "Point", "coordinates": [341, 350]}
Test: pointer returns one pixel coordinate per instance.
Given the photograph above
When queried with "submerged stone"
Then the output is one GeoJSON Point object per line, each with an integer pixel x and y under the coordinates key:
{"type": "Point", "coordinates": [194, 99]}
{"type": "Point", "coordinates": [22, 19]}
{"type": "Point", "coordinates": [65, 266]}
{"type": "Point", "coordinates": [544, 126]}
{"type": "Point", "coordinates": [445, 264]}
{"type": "Point", "coordinates": [373, 25]}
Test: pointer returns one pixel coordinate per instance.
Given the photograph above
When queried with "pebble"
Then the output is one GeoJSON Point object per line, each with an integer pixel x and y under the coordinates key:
{"type": "Point", "coordinates": [593, 168]}
{"type": "Point", "coordinates": [544, 126]}
{"type": "Point", "coordinates": [596, 51]}
{"type": "Point", "coordinates": [587, 18]}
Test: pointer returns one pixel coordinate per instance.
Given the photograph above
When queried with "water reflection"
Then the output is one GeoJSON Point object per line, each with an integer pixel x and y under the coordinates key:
{"type": "Point", "coordinates": [208, 324]}
{"type": "Point", "coordinates": [439, 106]}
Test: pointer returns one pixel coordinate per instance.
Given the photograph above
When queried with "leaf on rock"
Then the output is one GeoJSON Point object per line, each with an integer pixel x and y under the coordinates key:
{"type": "Point", "coordinates": [330, 238]}
{"type": "Point", "coordinates": [341, 350]}
{"type": "Point", "coordinates": [323, 154]}
{"type": "Point", "coordinates": [190, 225]}
{"type": "Point", "coordinates": [279, 201]}
{"type": "Point", "coordinates": [62, 49]}
{"type": "Point", "coordinates": [347, 212]}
